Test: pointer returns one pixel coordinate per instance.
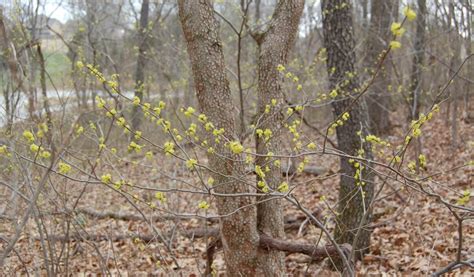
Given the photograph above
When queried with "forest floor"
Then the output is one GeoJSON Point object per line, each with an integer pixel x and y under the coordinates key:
{"type": "Point", "coordinates": [415, 235]}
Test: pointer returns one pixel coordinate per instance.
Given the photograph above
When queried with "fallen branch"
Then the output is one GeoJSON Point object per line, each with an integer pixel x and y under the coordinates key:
{"type": "Point", "coordinates": [266, 243]}
{"type": "Point", "coordinates": [291, 222]}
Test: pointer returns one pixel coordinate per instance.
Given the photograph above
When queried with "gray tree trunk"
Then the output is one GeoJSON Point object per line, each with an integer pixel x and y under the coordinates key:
{"type": "Point", "coordinates": [418, 58]}
{"type": "Point", "coordinates": [141, 62]}
{"type": "Point", "coordinates": [238, 231]}
{"type": "Point", "coordinates": [274, 47]}
{"type": "Point", "coordinates": [378, 99]}
{"type": "Point", "coordinates": [354, 198]}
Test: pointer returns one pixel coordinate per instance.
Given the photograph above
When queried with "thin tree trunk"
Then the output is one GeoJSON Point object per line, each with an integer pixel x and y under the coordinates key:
{"type": "Point", "coordinates": [238, 231]}
{"type": "Point", "coordinates": [6, 56]}
{"type": "Point", "coordinates": [355, 194]}
{"type": "Point", "coordinates": [274, 47]}
{"type": "Point", "coordinates": [44, 91]}
{"type": "Point", "coordinates": [141, 63]}
{"type": "Point", "coordinates": [418, 59]}
{"type": "Point", "coordinates": [379, 35]}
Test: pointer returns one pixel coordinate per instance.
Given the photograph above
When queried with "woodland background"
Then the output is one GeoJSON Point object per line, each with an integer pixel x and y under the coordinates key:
{"type": "Point", "coordinates": [110, 164]}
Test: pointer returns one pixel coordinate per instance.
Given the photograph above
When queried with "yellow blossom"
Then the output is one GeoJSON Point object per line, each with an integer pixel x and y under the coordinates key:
{"type": "Point", "coordinates": [64, 168]}
{"type": "Point", "coordinates": [45, 154]}
{"type": "Point", "coordinates": [259, 172]}
{"type": "Point", "coordinates": [203, 205]}
{"type": "Point", "coordinates": [134, 146]}
{"type": "Point", "coordinates": [409, 13]}
{"type": "Point", "coordinates": [138, 135]}
{"type": "Point", "coordinates": [106, 178]}
{"type": "Point", "coordinates": [416, 132]}
{"type": "Point", "coordinates": [202, 118]}
{"type": "Point", "coordinates": [189, 111]}
{"type": "Point", "coordinates": [149, 155]}
{"type": "Point", "coordinates": [34, 148]}
{"type": "Point", "coordinates": [236, 147]}
{"type": "Point", "coordinates": [136, 101]}
{"type": "Point", "coordinates": [3, 150]}
{"type": "Point", "coordinates": [345, 116]}
{"type": "Point", "coordinates": [395, 44]}
{"type": "Point", "coordinates": [29, 136]}
{"type": "Point", "coordinates": [283, 187]}
{"type": "Point", "coordinates": [160, 196]}
{"type": "Point", "coordinates": [168, 148]}
{"type": "Point", "coordinates": [397, 29]}
{"type": "Point", "coordinates": [79, 130]}
{"type": "Point", "coordinates": [191, 163]}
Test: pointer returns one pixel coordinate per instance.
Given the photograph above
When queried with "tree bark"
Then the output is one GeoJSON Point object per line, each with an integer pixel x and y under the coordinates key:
{"type": "Point", "coordinates": [415, 82]}
{"type": "Point", "coordinates": [354, 197]}
{"type": "Point", "coordinates": [141, 63]}
{"type": "Point", "coordinates": [274, 46]}
{"type": "Point", "coordinates": [7, 58]}
{"type": "Point", "coordinates": [238, 231]}
{"type": "Point", "coordinates": [379, 37]}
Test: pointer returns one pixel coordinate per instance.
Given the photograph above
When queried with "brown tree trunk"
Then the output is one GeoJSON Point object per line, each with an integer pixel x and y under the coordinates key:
{"type": "Point", "coordinates": [354, 197]}
{"type": "Point", "coordinates": [415, 82]}
{"type": "Point", "coordinates": [7, 57]}
{"type": "Point", "coordinates": [141, 63]}
{"type": "Point", "coordinates": [274, 46]}
{"type": "Point", "coordinates": [238, 231]}
{"type": "Point", "coordinates": [379, 36]}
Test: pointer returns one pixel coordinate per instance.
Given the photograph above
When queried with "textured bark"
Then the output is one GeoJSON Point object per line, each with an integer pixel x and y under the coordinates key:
{"type": "Point", "coordinates": [415, 82]}
{"type": "Point", "coordinates": [141, 62]}
{"type": "Point", "coordinates": [238, 231]}
{"type": "Point", "coordinates": [379, 37]}
{"type": "Point", "coordinates": [7, 58]}
{"type": "Point", "coordinates": [46, 105]}
{"type": "Point", "coordinates": [339, 42]}
{"type": "Point", "coordinates": [274, 47]}
{"type": "Point", "coordinates": [455, 45]}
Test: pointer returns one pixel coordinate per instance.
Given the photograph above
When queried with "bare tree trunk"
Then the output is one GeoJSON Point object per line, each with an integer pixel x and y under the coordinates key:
{"type": "Point", "coordinates": [141, 63]}
{"type": "Point", "coordinates": [418, 58]}
{"type": "Point", "coordinates": [6, 56]}
{"type": "Point", "coordinates": [355, 194]}
{"type": "Point", "coordinates": [274, 47]}
{"type": "Point", "coordinates": [238, 231]}
{"type": "Point", "coordinates": [257, 11]}
{"type": "Point", "coordinates": [44, 90]}
{"type": "Point", "coordinates": [379, 36]}
{"type": "Point", "coordinates": [470, 66]}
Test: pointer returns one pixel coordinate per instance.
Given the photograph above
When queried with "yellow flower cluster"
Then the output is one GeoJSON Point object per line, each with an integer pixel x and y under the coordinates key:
{"type": "Point", "coordinates": [409, 13]}
{"type": "Point", "coordinates": [168, 148]}
{"type": "Point", "coordinates": [134, 146]}
{"type": "Point", "coordinates": [191, 163]}
{"type": "Point", "coordinates": [160, 196]}
{"type": "Point", "coordinates": [64, 168]}
{"type": "Point", "coordinates": [203, 205]}
{"type": "Point", "coordinates": [236, 147]}
{"type": "Point", "coordinates": [339, 122]}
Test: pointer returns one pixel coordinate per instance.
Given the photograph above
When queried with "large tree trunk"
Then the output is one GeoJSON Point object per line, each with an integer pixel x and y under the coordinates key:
{"type": "Point", "coordinates": [415, 82]}
{"type": "Point", "coordinates": [238, 231]}
{"type": "Point", "coordinates": [274, 46]}
{"type": "Point", "coordinates": [141, 62]}
{"type": "Point", "coordinates": [379, 36]}
{"type": "Point", "coordinates": [354, 197]}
